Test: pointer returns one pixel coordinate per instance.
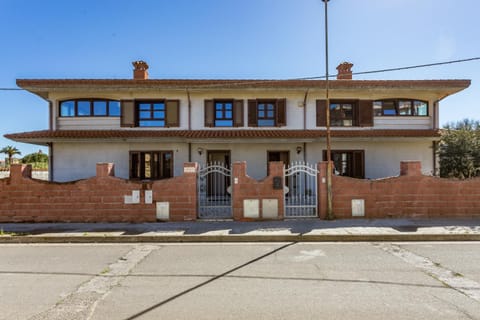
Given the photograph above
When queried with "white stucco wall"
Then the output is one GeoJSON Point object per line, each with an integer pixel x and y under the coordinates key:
{"type": "Point", "coordinates": [382, 158]}
{"type": "Point", "coordinates": [78, 161]}
{"type": "Point", "coordinates": [294, 107]}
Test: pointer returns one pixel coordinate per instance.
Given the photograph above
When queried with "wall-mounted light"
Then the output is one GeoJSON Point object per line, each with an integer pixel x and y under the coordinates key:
{"type": "Point", "coordinates": [299, 149]}
{"type": "Point", "coordinates": [200, 151]}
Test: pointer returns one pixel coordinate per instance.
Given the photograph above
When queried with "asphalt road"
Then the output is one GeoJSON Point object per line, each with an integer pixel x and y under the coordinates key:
{"type": "Point", "coordinates": [241, 281]}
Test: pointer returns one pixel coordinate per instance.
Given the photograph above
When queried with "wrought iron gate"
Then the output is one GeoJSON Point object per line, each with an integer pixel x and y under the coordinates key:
{"type": "Point", "coordinates": [214, 192]}
{"type": "Point", "coordinates": [301, 198]}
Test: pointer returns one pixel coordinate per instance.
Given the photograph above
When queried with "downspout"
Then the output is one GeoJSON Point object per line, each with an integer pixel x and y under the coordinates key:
{"type": "Point", "coordinates": [435, 115]}
{"type": "Point", "coordinates": [189, 152]}
{"type": "Point", "coordinates": [51, 127]}
{"type": "Point", "coordinates": [51, 177]}
{"type": "Point", "coordinates": [305, 152]}
{"type": "Point", "coordinates": [436, 126]}
{"type": "Point", "coordinates": [50, 116]}
{"type": "Point", "coordinates": [189, 110]}
{"type": "Point", "coordinates": [305, 110]}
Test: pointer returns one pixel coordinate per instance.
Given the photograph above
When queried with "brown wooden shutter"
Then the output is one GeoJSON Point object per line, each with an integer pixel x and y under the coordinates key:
{"type": "Point", "coordinates": [172, 116]}
{"type": "Point", "coordinates": [321, 113]}
{"type": "Point", "coordinates": [238, 113]}
{"type": "Point", "coordinates": [365, 113]}
{"type": "Point", "coordinates": [252, 113]}
{"type": "Point", "coordinates": [209, 113]}
{"type": "Point", "coordinates": [358, 164]}
{"type": "Point", "coordinates": [127, 119]}
{"type": "Point", "coordinates": [281, 112]}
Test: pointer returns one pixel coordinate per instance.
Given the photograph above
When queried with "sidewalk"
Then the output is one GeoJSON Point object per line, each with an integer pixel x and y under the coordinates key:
{"type": "Point", "coordinates": [231, 231]}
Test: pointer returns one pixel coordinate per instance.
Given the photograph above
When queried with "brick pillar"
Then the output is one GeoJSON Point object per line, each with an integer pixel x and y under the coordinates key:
{"type": "Point", "coordinates": [190, 170]}
{"type": "Point", "coordinates": [276, 169]}
{"type": "Point", "coordinates": [322, 189]}
{"type": "Point", "coordinates": [410, 168]}
{"type": "Point", "coordinates": [20, 171]}
{"type": "Point", "coordinates": [239, 174]}
{"type": "Point", "coordinates": [105, 170]}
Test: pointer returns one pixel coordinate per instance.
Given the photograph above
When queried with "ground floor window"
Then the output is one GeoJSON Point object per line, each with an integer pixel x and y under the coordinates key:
{"type": "Point", "coordinates": [151, 164]}
{"type": "Point", "coordinates": [349, 163]}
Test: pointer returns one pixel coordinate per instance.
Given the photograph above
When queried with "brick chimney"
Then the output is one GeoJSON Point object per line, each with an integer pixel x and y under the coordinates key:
{"type": "Point", "coordinates": [141, 70]}
{"type": "Point", "coordinates": [344, 71]}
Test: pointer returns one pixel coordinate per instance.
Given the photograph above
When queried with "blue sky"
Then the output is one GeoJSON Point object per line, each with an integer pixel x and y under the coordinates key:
{"type": "Point", "coordinates": [265, 39]}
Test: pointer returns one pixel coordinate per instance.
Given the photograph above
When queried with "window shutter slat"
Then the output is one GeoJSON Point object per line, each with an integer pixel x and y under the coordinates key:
{"type": "Point", "coordinates": [238, 113]}
{"type": "Point", "coordinates": [252, 113]}
{"type": "Point", "coordinates": [365, 113]}
{"type": "Point", "coordinates": [321, 113]}
{"type": "Point", "coordinates": [281, 112]}
{"type": "Point", "coordinates": [209, 113]}
{"type": "Point", "coordinates": [127, 118]}
{"type": "Point", "coordinates": [172, 113]}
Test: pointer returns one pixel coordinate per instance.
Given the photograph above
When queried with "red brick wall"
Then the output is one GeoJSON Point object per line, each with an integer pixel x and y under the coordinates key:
{"type": "Point", "coordinates": [97, 199]}
{"type": "Point", "coordinates": [409, 195]}
{"type": "Point", "coordinates": [245, 187]}
{"type": "Point", "coordinates": [101, 198]}
{"type": "Point", "coordinates": [180, 192]}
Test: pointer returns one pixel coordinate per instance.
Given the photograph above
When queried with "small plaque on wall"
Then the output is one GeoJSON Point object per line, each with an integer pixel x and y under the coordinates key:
{"type": "Point", "coordinates": [189, 170]}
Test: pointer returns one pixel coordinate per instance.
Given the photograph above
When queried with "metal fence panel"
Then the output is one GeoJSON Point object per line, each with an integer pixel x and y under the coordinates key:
{"type": "Point", "coordinates": [214, 191]}
{"type": "Point", "coordinates": [301, 198]}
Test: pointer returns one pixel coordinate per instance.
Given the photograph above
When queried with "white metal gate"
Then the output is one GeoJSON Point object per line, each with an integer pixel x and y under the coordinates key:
{"type": "Point", "coordinates": [301, 198]}
{"type": "Point", "coordinates": [214, 192]}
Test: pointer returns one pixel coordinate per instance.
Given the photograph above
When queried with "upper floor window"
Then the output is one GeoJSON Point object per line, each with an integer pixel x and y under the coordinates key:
{"type": "Point", "coordinates": [400, 107]}
{"type": "Point", "coordinates": [151, 114]}
{"type": "Point", "coordinates": [341, 114]}
{"type": "Point", "coordinates": [223, 113]}
{"type": "Point", "coordinates": [158, 113]}
{"type": "Point", "coordinates": [357, 113]}
{"type": "Point", "coordinates": [267, 113]}
{"type": "Point", "coordinates": [90, 108]}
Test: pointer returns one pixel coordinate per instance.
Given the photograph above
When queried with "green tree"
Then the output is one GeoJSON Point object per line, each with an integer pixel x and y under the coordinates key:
{"type": "Point", "coordinates": [459, 150]}
{"type": "Point", "coordinates": [38, 160]}
{"type": "Point", "coordinates": [10, 152]}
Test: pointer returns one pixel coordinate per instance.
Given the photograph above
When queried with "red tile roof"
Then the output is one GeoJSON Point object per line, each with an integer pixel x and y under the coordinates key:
{"type": "Point", "coordinates": [36, 84]}
{"type": "Point", "coordinates": [49, 135]}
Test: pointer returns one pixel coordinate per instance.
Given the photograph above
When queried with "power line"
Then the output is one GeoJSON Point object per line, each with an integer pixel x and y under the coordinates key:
{"type": "Point", "coordinates": [323, 77]}
{"type": "Point", "coordinates": [398, 68]}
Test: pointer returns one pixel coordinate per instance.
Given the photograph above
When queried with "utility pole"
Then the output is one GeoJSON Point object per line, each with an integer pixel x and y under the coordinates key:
{"type": "Point", "coordinates": [330, 215]}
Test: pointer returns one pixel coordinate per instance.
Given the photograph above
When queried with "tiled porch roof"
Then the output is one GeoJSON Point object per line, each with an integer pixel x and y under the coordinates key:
{"type": "Point", "coordinates": [50, 135]}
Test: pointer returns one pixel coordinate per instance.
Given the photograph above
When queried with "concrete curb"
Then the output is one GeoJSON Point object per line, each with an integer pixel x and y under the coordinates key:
{"type": "Point", "coordinates": [241, 238]}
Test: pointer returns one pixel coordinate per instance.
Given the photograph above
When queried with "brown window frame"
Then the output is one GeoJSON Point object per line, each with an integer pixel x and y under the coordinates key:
{"type": "Point", "coordinates": [354, 118]}
{"type": "Point", "coordinates": [396, 102]}
{"type": "Point", "coordinates": [362, 112]}
{"type": "Point", "coordinates": [137, 169]}
{"type": "Point", "coordinates": [356, 170]}
{"type": "Point", "coordinates": [210, 113]}
{"type": "Point", "coordinates": [166, 121]}
{"type": "Point", "coordinates": [223, 102]}
{"type": "Point", "coordinates": [91, 107]}
{"type": "Point", "coordinates": [279, 116]}
{"type": "Point", "coordinates": [265, 117]}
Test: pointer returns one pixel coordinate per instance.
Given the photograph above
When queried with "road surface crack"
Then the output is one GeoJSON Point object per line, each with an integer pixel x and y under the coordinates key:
{"type": "Point", "coordinates": [81, 303]}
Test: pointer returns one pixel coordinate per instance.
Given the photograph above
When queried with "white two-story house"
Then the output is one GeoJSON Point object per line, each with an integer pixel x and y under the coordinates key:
{"type": "Point", "coordinates": [149, 127]}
